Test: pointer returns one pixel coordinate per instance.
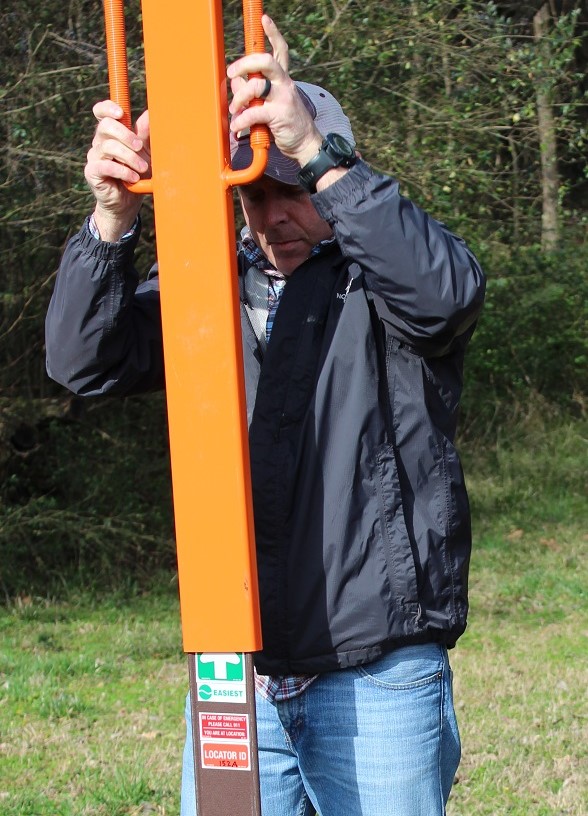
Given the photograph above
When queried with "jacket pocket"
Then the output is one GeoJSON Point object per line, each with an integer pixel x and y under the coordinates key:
{"type": "Point", "coordinates": [453, 496]}
{"type": "Point", "coordinates": [397, 546]}
{"type": "Point", "coordinates": [455, 533]}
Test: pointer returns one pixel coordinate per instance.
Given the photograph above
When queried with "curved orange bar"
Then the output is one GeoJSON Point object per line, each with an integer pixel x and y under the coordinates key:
{"type": "Point", "coordinates": [256, 169]}
{"type": "Point", "coordinates": [141, 187]}
{"type": "Point", "coordinates": [259, 138]}
{"type": "Point", "coordinates": [118, 72]}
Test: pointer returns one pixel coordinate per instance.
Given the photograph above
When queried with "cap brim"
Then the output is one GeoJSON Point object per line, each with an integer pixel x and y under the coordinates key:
{"type": "Point", "coordinates": [279, 167]}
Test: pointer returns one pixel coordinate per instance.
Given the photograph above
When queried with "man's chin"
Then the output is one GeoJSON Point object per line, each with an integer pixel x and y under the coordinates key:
{"type": "Point", "coordinates": [287, 256]}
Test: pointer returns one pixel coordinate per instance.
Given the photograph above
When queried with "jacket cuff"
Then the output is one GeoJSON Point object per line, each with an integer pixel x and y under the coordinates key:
{"type": "Point", "coordinates": [354, 187]}
{"type": "Point", "coordinates": [118, 251]}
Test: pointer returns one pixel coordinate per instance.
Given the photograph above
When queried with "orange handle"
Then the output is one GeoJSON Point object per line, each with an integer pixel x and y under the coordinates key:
{"type": "Point", "coordinates": [118, 72]}
{"type": "Point", "coordinates": [259, 137]}
{"type": "Point", "coordinates": [254, 44]}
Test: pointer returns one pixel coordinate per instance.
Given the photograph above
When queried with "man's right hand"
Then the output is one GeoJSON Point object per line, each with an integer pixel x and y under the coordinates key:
{"type": "Point", "coordinates": [117, 155]}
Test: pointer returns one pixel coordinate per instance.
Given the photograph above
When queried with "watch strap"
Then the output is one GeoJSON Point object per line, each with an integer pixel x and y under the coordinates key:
{"type": "Point", "coordinates": [326, 159]}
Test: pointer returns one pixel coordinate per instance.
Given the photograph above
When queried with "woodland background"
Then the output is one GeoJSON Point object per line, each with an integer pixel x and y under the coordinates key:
{"type": "Point", "coordinates": [479, 108]}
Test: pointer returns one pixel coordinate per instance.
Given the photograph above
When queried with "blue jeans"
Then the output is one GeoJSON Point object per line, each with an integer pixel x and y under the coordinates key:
{"type": "Point", "coordinates": [376, 740]}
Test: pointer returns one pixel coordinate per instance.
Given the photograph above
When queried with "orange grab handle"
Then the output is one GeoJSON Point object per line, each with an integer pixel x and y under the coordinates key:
{"type": "Point", "coordinates": [259, 137]}
{"type": "Point", "coordinates": [118, 73]}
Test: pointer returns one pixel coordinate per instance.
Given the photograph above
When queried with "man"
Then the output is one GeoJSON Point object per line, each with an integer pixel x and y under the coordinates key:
{"type": "Point", "coordinates": [361, 516]}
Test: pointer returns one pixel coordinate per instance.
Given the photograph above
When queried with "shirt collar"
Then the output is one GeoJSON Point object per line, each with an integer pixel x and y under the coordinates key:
{"type": "Point", "coordinates": [255, 257]}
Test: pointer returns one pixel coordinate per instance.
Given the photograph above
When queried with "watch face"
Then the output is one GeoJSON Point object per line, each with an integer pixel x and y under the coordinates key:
{"type": "Point", "coordinates": [335, 152]}
{"type": "Point", "coordinates": [341, 145]}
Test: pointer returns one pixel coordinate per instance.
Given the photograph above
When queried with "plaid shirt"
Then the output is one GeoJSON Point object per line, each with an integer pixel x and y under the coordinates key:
{"type": "Point", "coordinates": [277, 689]}
{"type": "Point", "coordinates": [256, 257]}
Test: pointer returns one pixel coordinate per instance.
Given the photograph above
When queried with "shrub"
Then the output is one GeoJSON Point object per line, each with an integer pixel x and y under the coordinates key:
{"type": "Point", "coordinates": [85, 499]}
{"type": "Point", "coordinates": [531, 339]}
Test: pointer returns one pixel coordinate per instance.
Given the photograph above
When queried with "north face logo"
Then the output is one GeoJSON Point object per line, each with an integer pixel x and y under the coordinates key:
{"type": "Point", "coordinates": [343, 295]}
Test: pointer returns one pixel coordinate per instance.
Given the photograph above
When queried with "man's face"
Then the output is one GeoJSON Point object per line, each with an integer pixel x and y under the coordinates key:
{"type": "Point", "coordinates": [283, 222]}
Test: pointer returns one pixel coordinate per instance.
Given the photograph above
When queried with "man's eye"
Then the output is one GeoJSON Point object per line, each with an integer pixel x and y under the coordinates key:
{"type": "Point", "coordinates": [297, 192]}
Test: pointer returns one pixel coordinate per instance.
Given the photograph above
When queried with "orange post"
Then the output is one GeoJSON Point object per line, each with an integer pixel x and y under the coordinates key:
{"type": "Point", "coordinates": [200, 313]}
{"type": "Point", "coordinates": [191, 183]}
{"type": "Point", "coordinates": [184, 53]}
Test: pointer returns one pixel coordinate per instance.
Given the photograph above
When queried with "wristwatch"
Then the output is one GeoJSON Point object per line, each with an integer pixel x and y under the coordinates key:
{"type": "Point", "coordinates": [335, 151]}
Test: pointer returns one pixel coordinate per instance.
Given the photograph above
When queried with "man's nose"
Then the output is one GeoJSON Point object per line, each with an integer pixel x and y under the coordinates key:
{"type": "Point", "coordinates": [275, 212]}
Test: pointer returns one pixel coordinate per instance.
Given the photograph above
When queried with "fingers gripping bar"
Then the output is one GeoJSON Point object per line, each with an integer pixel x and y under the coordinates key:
{"type": "Point", "coordinates": [259, 136]}
{"type": "Point", "coordinates": [118, 74]}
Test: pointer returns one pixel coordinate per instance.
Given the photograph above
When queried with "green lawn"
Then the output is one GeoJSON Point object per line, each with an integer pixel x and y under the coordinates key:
{"type": "Point", "coordinates": [92, 690]}
{"type": "Point", "coordinates": [91, 707]}
{"type": "Point", "coordinates": [521, 679]}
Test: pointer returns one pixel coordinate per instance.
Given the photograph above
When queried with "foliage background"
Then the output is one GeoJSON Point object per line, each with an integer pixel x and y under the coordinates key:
{"type": "Point", "coordinates": [446, 96]}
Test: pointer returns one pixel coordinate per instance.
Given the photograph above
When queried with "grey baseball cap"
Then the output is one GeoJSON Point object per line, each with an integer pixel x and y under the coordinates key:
{"type": "Point", "coordinates": [328, 116]}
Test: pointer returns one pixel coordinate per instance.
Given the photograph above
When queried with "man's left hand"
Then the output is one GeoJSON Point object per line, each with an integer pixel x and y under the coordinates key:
{"type": "Point", "coordinates": [283, 111]}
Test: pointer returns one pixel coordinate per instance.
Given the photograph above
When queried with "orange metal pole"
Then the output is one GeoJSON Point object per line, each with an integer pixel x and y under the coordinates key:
{"type": "Point", "coordinates": [200, 307]}
{"type": "Point", "coordinates": [184, 53]}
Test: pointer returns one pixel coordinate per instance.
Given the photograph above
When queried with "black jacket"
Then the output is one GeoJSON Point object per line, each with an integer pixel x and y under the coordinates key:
{"type": "Point", "coordinates": [361, 513]}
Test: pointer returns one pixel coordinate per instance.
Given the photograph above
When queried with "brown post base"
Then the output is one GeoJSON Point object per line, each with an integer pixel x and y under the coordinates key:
{"type": "Point", "coordinates": [224, 734]}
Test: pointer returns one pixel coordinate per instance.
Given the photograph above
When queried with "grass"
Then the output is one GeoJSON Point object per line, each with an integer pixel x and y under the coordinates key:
{"type": "Point", "coordinates": [91, 689]}
{"type": "Point", "coordinates": [521, 669]}
{"type": "Point", "coordinates": [521, 677]}
{"type": "Point", "coordinates": [91, 706]}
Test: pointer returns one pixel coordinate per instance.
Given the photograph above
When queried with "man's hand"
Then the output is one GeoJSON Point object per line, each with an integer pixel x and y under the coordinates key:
{"type": "Point", "coordinates": [283, 111]}
{"type": "Point", "coordinates": [117, 155]}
